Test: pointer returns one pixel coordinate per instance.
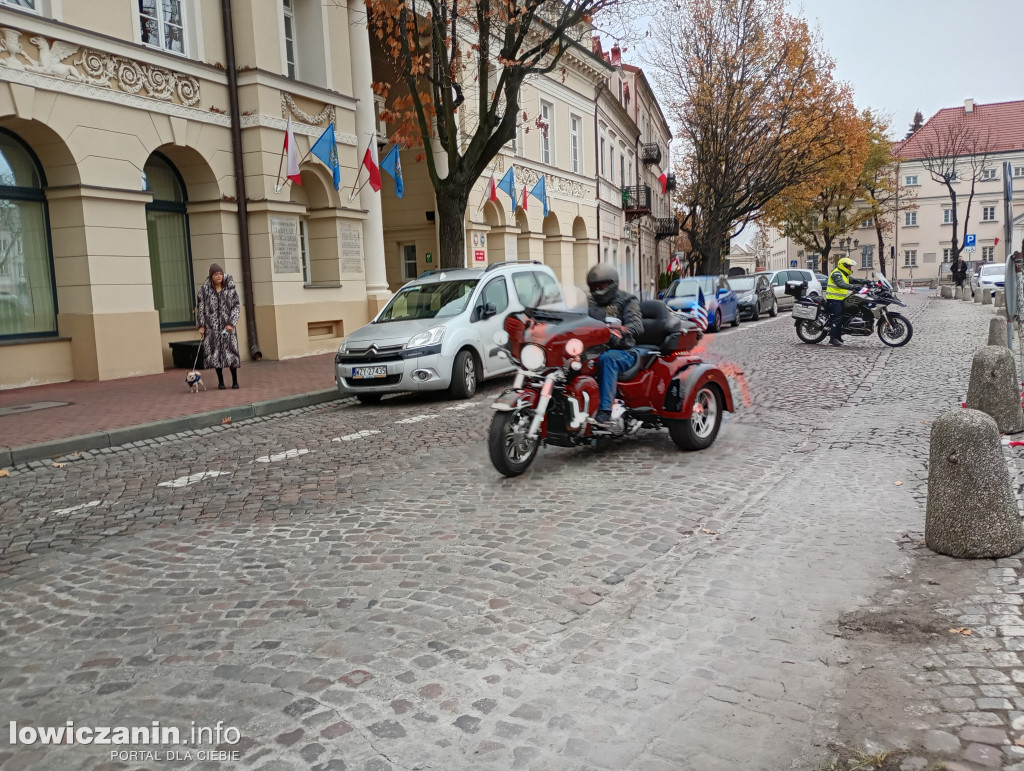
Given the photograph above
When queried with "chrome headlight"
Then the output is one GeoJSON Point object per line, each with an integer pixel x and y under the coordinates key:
{"type": "Point", "coordinates": [343, 348]}
{"type": "Point", "coordinates": [430, 337]}
{"type": "Point", "coordinates": [501, 337]}
{"type": "Point", "coordinates": [532, 357]}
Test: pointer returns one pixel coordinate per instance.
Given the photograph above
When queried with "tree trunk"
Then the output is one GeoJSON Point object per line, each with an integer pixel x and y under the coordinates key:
{"type": "Point", "coordinates": [452, 200]}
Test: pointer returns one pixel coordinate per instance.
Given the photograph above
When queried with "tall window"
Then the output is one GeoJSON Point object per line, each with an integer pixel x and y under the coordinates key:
{"type": "Point", "coordinates": [307, 262]}
{"type": "Point", "coordinates": [947, 216]}
{"type": "Point", "coordinates": [629, 179]}
{"type": "Point", "coordinates": [910, 258]}
{"type": "Point", "coordinates": [622, 165]}
{"type": "Point", "coordinates": [574, 143]}
{"type": "Point", "coordinates": [910, 218]}
{"type": "Point", "coordinates": [988, 214]}
{"type": "Point", "coordinates": [409, 261]}
{"type": "Point", "coordinates": [611, 159]}
{"type": "Point", "coordinates": [162, 24]}
{"type": "Point", "coordinates": [988, 253]}
{"type": "Point", "coordinates": [546, 115]}
{"type": "Point", "coordinates": [947, 255]}
{"type": "Point", "coordinates": [170, 256]}
{"type": "Point", "coordinates": [867, 256]}
{"type": "Point", "coordinates": [289, 37]}
{"type": "Point", "coordinates": [28, 305]}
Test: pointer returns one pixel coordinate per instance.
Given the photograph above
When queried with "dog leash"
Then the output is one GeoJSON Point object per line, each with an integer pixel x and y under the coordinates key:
{"type": "Point", "coordinates": [199, 348]}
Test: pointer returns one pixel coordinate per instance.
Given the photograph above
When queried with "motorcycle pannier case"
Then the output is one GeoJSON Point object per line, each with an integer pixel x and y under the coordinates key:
{"type": "Point", "coordinates": [796, 288]}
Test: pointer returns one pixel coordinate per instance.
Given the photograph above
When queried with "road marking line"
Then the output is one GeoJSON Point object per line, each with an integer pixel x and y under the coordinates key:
{"type": "Point", "coordinates": [192, 479]}
{"type": "Point", "coordinates": [362, 434]}
{"type": "Point", "coordinates": [416, 419]}
{"type": "Point", "coordinates": [463, 406]}
{"type": "Point", "coordinates": [280, 456]}
{"type": "Point", "coordinates": [79, 507]}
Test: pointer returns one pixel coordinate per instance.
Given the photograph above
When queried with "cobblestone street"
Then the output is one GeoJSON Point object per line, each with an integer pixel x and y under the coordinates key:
{"type": "Point", "coordinates": [357, 588]}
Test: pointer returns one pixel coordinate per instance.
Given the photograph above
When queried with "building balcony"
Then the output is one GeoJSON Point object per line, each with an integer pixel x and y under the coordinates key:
{"type": "Point", "coordinates": [670, 184]}
{"type": "Point", "coordinates": [666, 227]}
{"type": "Point", "coordinates": [636, 201]}
{"type": "Point", "coordinates": [650, 153]}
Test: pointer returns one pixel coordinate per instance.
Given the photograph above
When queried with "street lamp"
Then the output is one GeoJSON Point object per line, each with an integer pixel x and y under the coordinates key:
{"type": "Point", "coordinates": [844, 243]}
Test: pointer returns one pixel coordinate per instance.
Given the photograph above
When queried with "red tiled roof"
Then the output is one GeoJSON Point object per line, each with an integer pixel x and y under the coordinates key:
{"type": "Point", "coordinates": [1002, 123]}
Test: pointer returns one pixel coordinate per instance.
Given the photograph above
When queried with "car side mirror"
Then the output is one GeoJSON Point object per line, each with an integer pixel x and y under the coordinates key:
{"type": "Point", "coordinates": [661, 295]}
{"type": "Point", "coordinates": [488, 310]}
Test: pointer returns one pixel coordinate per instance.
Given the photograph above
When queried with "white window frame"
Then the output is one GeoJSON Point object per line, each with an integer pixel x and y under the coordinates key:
{"type": "Point", "coordinates": [988, 175]}
{"type": "Point", "coordinates": [611, 158]}
{"type": "Point", "coordinates": [575, 145]}
{"type": "Point", "coordinates": [1018, 171]}
{"type": "Point", "coordinates": [307, 263]}
{"type": "Point", "coordinates": [867, 256]}
{"type": "Point", "coordinates": [988, 253]}
{"type": "Point", "coordinates": [947, 216]}
{"type": "Point", "coordinates": [907, 180]}
{"type": "Point", "coordinates": [603, 143]}
{"type": "Point", "coordinates": [35, 8]}
{"type": "Point", "coordinates": [910, 258]}
{"type": "Point", "coordinates": [910, 219]}
{"type": "Point", "coordinates": [405, 261]}
{"type": "Point", "coordinates": [988, 213]}
{"type": "Point", "coordinates": [547, 149]}
{"type": "Point", "coordinates": [947, 254]}
{"type": "Point", "coordinates": [186, 22]}
{"type": "Point", "coordinates": [291, 67]}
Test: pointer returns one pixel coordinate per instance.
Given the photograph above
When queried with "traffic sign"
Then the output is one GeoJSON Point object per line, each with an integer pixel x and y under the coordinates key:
{"type": "Point", "coordinates": [970, 240]}
{"type": "Point", "coordinates": [792, 263]}
{"type": "Point", "coordinates": [969, 248]}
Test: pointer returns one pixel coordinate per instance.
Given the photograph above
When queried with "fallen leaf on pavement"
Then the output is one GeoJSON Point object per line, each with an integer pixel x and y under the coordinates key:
{"type": "Point", "coordinates": [709, 532]}
{"type": "Point", "coordinates": [961, 630]}
{"type": "Point", "coordinates": [59, 465]}
{"type": "Point", "coordinates": [897, 483]}
{"type": "Point", "coordinates": [76, 455]}
{"type": "Point", "coordinates": [225, 421]}
{"type": "Point", "coordinates": [1020, 742]}
{"type": "Point", "coordinates": [5, 472]}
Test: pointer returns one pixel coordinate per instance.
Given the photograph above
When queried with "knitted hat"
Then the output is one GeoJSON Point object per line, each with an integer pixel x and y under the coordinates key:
{"type": "Point", "coordinates": [215, 268]}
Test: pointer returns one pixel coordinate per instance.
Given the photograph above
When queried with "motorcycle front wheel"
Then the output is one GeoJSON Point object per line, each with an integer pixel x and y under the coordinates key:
{"type": "Point", "coordinates": [511, 450]}
{"type": "Point", "coordinates": [810, 331]}
{"type": "Point", "coordinates": [897, 332]}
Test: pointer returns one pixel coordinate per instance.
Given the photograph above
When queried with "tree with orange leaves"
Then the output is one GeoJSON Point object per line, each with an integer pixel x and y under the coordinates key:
{"type": "Point", "coordinates": [757, 108]}
{"type": "Point", "coordinates": [443, 48]}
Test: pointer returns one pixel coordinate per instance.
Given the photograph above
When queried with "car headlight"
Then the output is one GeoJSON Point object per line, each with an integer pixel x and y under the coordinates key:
{"type": "Point", "coordinates": [430, 337]}
{"type": "Point", "coordinates": [532, 357]}
{"type": "Point", "coordinates": [343, 348]}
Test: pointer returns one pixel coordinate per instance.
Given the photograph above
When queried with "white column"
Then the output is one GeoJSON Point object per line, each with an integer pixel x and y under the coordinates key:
{"type": "Point", "coordinates": [366, 126]}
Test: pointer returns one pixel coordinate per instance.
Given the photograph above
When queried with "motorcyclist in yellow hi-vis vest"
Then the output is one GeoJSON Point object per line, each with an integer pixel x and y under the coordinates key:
{"type": "Point", "coordinates": [840, 284]}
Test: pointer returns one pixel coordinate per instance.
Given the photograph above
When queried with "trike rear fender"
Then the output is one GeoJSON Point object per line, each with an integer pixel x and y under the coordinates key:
{"type": "Point", "coordinates": [683, 389]}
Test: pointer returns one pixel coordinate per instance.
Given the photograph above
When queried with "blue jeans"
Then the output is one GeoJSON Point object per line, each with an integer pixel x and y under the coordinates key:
{"type": "Point", "coordinates": [835, 309]}
{"type": "Point", "coordinates": [610, 365]}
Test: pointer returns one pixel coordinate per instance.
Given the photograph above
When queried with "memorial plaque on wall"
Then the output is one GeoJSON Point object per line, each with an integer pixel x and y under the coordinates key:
{"type": "Point", "coordinates": [351, 238]}
{"type": "Point", "coordinates": [284, 234]}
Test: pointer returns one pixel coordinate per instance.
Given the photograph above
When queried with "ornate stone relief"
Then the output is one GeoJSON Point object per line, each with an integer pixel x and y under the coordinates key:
{"type": "Point", "coordinates": [97, 68]}
{"type": "Point", "coordinates": [555, 184]}
{"type": "Point", "coordinates": [326, 115]}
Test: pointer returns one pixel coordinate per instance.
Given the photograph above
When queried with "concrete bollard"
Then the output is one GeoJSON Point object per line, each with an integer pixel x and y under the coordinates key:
{"type": "Point", "coordinates": [1000, 299]}
{"type": "Point", "coordinates": [958, 293]}
{"type": "Point", "coordinates": [972, 511]}
{"type": "Point", "coordinates": [997, 331]}
{"type": "Point", "coordinates": [977, 295]}
{"type": "Point", "coordinates": [933, 284]}
{"type": "Point", "coordinates": [947, 292]}
{"type": "Point", "coordinates": [986, 296]}
{"type": "Point", "coordinates": [967, 294]}
{"type": "Point", "coordinates": [994, 388]}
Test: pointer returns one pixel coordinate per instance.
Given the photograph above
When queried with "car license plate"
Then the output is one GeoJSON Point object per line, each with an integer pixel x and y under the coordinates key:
{"type": "Point", "coordinates": [805, 311]}
{"type": "Point", "coordinates": [368, 373]}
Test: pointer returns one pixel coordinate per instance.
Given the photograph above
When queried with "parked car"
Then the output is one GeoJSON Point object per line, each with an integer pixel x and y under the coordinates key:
{"type": "Point", "coordinates": [991, 276]}
{"type": "Point", "coordinates": [822, 279]}
{"type": "Point", "coordinates": [437, 332]}
{"type": "Point", "coordinates": [780, 277]}
{"type": "Point", "coordinates": [755, 296]}
{"type": "Point", "coordinates": [719, 299]}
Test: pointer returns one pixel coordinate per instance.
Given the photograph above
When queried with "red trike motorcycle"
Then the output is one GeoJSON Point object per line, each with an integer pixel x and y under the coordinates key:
{"type": "Point", "coordinates": [555, 394]}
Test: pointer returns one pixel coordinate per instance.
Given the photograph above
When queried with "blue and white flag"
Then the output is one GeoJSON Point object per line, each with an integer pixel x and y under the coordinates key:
{"type": "Point", "coordinates": [508, 185]}
{"type": "Point", "coordinates": [540, 192]}
{"type": "Point", "coordinates": [326, 149]}
{"type": "Point", "coordinates": [392, 164]}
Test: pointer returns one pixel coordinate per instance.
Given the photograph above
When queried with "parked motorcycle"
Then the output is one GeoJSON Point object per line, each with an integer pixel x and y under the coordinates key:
{"type": "Point", "coordinates": [864, 311]}
{"type": "Point", "coordinates": [555, 393]}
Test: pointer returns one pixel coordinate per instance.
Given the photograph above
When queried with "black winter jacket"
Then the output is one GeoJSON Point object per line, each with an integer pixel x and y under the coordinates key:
{"type": "Point", "coordinates": [626, 308]}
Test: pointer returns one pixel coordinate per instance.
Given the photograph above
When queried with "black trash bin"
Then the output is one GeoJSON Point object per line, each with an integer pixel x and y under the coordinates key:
{"type": "Point", "coordinates": [184, 354]}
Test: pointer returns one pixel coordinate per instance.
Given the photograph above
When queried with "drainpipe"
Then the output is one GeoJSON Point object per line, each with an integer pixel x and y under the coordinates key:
{"type": "Point", "coordinates": [597, 175]}
{"type": "Point", "coordinates": [240, 197]}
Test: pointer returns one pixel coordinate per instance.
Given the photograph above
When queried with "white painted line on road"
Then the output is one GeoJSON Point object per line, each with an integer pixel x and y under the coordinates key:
{"type": "Point", "coordinates": [79, 507]}
{"type": "Point", "coordinates": [192, 479]}
{"type": "Point", "coordinates": [350, 437]}
{"type": "Point", "coordinates": [416, 419]}
{"type": "Point", "coordinates": [463, 406]}
{"type": "Point", "coordinates": [280, 456]}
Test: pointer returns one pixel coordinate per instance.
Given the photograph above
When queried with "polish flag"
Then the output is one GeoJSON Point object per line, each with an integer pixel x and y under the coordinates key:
{"type": "Point", "coordinates": [371, 167]}
{"type": "Point", "coordinates": [494, 190]}
{"type": "Point", "coordinates": [293, 154]}
{"type": "Point", "coordinates": [663, 179]}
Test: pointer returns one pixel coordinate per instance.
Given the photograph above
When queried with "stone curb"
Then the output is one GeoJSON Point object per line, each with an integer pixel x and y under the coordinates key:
{"type": "Point", "coordinates": [11, 456]}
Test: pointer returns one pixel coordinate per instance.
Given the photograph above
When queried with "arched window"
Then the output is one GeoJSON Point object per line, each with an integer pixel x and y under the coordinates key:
{"type": "Point", "coordinates": [28, 304]}
{"type": "Point", "coordinates": [170, 255]}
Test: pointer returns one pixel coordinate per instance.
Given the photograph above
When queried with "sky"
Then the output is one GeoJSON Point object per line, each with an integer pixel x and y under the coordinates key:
{"type": "Point", "coordinates": [906, 55]}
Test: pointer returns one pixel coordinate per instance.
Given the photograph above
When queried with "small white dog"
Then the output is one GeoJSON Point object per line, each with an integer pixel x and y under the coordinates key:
{"type": "Point", "coordinates": [194, 380]}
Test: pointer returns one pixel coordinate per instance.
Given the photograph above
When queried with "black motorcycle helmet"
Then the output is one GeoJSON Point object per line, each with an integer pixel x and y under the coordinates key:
{"type": "Point", "coordinates": [603, 281]}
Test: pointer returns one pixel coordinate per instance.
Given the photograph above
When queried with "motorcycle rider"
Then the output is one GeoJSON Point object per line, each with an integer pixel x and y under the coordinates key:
{"type": "Point", "coordinates": [606, 299]}
{"type": "Point", "coordinates": [840, 285]}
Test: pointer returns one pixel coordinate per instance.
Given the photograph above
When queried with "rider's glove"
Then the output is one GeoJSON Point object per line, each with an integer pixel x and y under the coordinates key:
{"type": "Point", "coordinates": [616, 337]}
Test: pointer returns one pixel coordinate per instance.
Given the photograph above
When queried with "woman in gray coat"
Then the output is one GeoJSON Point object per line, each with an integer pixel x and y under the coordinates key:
{"type": "Point", "coordinates": [217, 312]}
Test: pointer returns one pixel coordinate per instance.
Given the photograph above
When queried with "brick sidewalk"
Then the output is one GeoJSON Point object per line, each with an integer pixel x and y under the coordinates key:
{"type": "Point", "coordinates": [101, 406]}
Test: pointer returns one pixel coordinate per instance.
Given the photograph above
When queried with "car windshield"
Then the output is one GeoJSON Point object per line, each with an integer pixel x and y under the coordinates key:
{"type": "Point", "coordinates": [742, 283]}
{"type": "Point", "coordinates": [428, 301]}
{"type": "Point", "coordinates": [993, 270]}
{"type": "Point", "coordinates": [688, 287]}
